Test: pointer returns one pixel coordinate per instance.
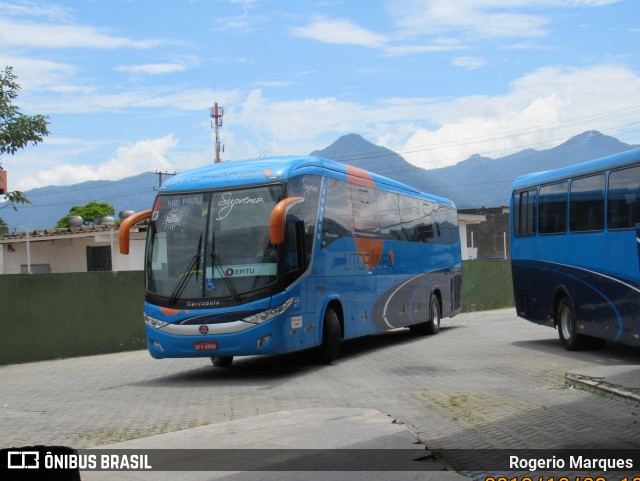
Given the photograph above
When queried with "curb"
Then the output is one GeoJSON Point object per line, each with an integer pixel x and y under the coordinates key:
{"type": "Point", "coordinates": [598, 386]}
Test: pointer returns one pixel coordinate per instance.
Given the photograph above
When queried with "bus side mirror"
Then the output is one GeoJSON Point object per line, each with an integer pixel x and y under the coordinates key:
{"type": "Point", "coordinates": [125, 225]}
{"type": "Point", "coordinates": [279, 219]}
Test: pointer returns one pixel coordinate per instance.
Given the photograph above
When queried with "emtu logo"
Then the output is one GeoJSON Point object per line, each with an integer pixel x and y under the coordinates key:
{"type": "Point", "coordinates": [23, 459]}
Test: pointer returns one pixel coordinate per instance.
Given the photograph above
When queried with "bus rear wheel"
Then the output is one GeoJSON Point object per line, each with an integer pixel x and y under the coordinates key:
{"type": "Point", "coordinates": [331, 337]}
{"type": "Point", "coordinates": [223, 361]}
{"type": "Point", "coordinates": [432, 326]}
{"type": "Point", "coordinates": [566, 319]}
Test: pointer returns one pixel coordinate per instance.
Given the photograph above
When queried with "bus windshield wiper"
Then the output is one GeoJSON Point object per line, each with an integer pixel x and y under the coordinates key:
{"type": "Point", "coordinates": [194, 266]}
{"type": "Point", "coordinates": [218, 266]}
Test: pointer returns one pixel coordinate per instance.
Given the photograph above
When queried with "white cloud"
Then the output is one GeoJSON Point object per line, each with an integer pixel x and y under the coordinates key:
{"type": "Point", "coordinates": [469, 63]}
{"type": "Point", "coordinates": [35, 9]}
{"type": "Point", "coordinates": [44, 35]}
{"type": "Point", "coordinates": [392, 50]}
{"type": "Point", "coordinates": [479, 18]}
{"type": "Point", "coordinates": [543, 108]}
{"type": "Point", "coordinates": [339, 32]}
{"type": "Point", "coordinates": [152, 68]}
{"type": "Point", "coordinates": [239, 24]}
{"type": "Point", "coordinates": [174, 99]}
{"type": "Point", "coordinates": [143, 156]}
{"type": "Point", "coordinates": [274, 84]}
{"type": "Point", "coordinates": [34, 73]}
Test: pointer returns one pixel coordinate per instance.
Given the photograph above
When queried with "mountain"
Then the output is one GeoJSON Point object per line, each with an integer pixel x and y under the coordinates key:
{"type": "Point", "coordinates": [480, 181]}
{"type": "Point", "coordinates": [472, 183]}
{"type": "Point", "coordinates": [49, 204]}
{"type": "Point", "coordinates": [477, 181]}
{"type": "Point", "coordinates": [354, 150]}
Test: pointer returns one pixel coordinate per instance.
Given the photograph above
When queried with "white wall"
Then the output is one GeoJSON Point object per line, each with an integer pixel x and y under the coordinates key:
{"type": "Point", "coordinates": [69, 253]}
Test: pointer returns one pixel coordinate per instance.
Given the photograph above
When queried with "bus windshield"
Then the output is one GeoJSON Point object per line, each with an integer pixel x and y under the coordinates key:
{"type": "Point", "coordinates": [212, 246]}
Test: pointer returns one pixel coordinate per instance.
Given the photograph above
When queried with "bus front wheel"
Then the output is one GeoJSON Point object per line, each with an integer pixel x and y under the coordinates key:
{"type": "Point", "coordinates": [331, 337]}
{"type": "Point", "coordinates": [223, 361]}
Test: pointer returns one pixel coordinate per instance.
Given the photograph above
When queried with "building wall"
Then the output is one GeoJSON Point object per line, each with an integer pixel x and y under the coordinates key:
{"type": "Point", "coordinates": [489, 236]}
{"type": "Point", "coordinates": [69, 253]}
{"type": "Point", "coordinates": [49, 316]}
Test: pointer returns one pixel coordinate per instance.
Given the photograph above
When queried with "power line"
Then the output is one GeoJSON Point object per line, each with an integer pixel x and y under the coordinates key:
{"type": "Point", "coordinates": [624, 112]}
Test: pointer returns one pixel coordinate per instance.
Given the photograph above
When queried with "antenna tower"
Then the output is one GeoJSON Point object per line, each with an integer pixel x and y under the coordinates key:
{"type": "Point", "coordinates": [216, 114]}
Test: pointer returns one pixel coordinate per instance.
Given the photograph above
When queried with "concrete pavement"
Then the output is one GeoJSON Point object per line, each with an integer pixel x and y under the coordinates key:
{"type": "Point", "coordinates": [339, 430]}
{"type": "Point", "coordinates": [333, 429]}
{"type": "Point", "coordinates": [488, 380]}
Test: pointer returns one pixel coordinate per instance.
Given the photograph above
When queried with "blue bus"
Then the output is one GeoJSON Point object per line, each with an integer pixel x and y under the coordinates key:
{"type": "Point", "coordinates": [574, 250]}
{"type": "Point", "coordinates": [276, 255]}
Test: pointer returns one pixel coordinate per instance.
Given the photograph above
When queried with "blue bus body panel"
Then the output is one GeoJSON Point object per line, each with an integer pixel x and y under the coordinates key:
{"type": "Point", "coordinates": [291, 331]}
{"type": "Point", "coordinates": [612, 161]}
{"type": "Point", "coordinates": [606, 307]}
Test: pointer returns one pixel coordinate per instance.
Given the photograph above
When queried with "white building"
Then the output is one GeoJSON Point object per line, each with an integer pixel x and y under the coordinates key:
{"type": "Point", "coordinates": [87, 248]}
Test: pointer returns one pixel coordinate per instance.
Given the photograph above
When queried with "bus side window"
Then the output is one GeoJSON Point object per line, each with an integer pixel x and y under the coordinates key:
{"type": "Point", "coordinates": [338, 216]}
{"type": "Point", "coordinates": [389, 212]}
{"type": "Point", "coordinates": [524, 212]}
{"type": "Point", "coordinates": [295, 248]}
{"type": "Point", "coordinates": [428, 227]}
{"type": "Point", "coordinates": [624, 198]}
{"type": "Point", "coordinates": [452, 220]}
{"type": "Point", "coordinates": [552, 214]}
{"type": "Point", "coordinates": [410, 218]}
{"type": "Point", "coordinates": [586, 205]}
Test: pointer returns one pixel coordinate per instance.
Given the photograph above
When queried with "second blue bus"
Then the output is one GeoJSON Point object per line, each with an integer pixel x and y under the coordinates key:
{"type": "Point", "coordinates": [574, 250]}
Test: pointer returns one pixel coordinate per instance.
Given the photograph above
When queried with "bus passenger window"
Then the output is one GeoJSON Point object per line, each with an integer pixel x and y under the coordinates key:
{"type": "Point", "coordinates": [338, 216]}
{"type": "Point", "coordinates": [624, 198]}
{"type": "Point", "coordinates": [552, 205]}
{"type": "Point", "coordinates": [389, 211]}
{"type": "Point", "coordinates": [586, 206]}
{"type": "Point", "coordinates": [409, 217]}
{"type": "Point", "coordinates": [524, 212]}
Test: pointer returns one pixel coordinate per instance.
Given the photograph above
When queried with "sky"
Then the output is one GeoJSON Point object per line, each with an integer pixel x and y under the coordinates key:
{"type": "Point", "coordinates": [128, 84]}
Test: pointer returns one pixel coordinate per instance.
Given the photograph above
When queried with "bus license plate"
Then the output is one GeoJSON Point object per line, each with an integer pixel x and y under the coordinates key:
{"type": "Point", "coordinates": [205, 345]}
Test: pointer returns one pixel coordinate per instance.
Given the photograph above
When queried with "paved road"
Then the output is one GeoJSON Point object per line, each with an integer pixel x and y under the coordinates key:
{"type": "Point", "coordinates": [487, 380]}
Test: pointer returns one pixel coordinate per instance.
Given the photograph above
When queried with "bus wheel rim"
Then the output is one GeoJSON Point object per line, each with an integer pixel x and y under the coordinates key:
{"type": "Point", "coordinates": [565, 324]}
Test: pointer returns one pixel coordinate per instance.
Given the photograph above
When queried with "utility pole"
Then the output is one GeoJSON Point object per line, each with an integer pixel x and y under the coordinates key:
{"type": "Point", "coordinates": [161, 177]}
{"type": "Point", "coordinates": [216, 114]}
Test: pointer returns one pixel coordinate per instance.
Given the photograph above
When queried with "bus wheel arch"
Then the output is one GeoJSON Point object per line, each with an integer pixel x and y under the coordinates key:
{"type": "Point", "coordinates": [332, 332]}
{"type": "Point", "coordinates": [431, 326]}
{"type": "Point", "coordinates": [566, 323]}
{"type": "Point", "coordinates": [564, 315]}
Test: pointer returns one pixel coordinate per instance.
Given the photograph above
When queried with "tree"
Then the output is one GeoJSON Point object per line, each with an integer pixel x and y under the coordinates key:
{"type": "Point", "coordinates": [91, 213]}
{"type": "Point", "coordinates": [17, 130]}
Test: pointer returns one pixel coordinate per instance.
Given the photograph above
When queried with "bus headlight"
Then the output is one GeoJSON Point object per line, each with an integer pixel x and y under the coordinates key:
{"type": "Point", "coordinates": [268, 314]}
{"type": "Point", "coordinates": [153, 322]}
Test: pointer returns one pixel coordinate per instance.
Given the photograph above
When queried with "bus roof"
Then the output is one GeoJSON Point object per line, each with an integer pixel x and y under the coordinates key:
{"type": "Point", "coordinates": [598, 165]}
{"type": "Point", "coordinates": [259, 171]}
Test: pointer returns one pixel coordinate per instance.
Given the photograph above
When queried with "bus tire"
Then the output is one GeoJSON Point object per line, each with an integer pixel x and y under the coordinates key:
{"type": "Point", "coordinates": [432, 326]}
{"type": "Point", "coordinates": [331, 337]}
{"type": "Point", "coordinates": [566, 320]}
{"type": "Point", "coordinates": [223, 361]}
